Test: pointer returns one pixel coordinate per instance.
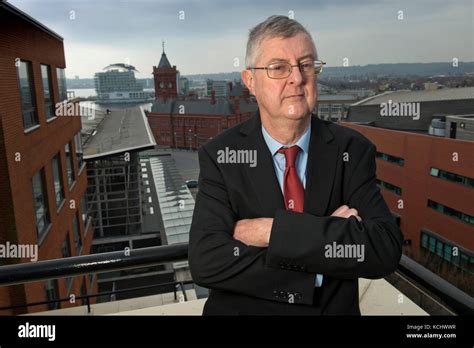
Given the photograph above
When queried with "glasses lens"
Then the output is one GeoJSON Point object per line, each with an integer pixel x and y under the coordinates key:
{"type": "Point", "coordinates": [278, 70]}
{"type": "Point", "coordinates": [318, 66]}
{"type": "Point", "coordinates": [308, 67]}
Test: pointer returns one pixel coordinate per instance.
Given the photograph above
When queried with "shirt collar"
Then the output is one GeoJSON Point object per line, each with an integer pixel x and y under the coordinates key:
{"type": "Point", "coordinates": [274, 146]}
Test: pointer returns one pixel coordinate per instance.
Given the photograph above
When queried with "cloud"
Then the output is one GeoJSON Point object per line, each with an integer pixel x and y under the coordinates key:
{"type": "Point", "coordinates": [213, 32]}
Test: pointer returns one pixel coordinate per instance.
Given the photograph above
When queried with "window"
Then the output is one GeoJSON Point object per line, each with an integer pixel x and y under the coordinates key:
{"type": "Point", "coordinates": [61, 75]}
{"type": "Point", "coordinates": [389, 187]}
{"type": "Point", "coordinates": [463, 180]}
{"type": "Point", "coordinates": [52, 293]}
{"type": "Point", "coordinates": [85, 211]}
{"type": "Point", "coordinates": [424, 240]}
{"type": "Point", "coordinates": [451, 212]}
{"type": "Point", "coordinates": [66, 252]}
{"type": "Point", "coordinates": [447, 251]}
{"type": "Point", "coordinates": [78, 143]}
{"type": "Point", "coordinates": [58, 180]}
{"type": "Point", "coordinates": [47, 91]}
{"type": "Point", "coordinates": [390, 158]}
{"type": "Point", "coordinates": [27, 95]}
{"type": "Point", "coordinates": [40, 202]}
{"type": "Point", "coordinates": [69, 164]}
{"type": "Point", "coordinates": [77, 235]}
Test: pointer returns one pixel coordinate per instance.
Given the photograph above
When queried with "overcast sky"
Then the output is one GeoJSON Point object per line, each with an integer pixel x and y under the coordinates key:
{"type": "Point", "coordinates": [213, 33]}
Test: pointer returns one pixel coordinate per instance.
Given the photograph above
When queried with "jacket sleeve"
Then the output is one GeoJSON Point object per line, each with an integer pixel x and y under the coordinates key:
{"type": "Point", "coordinates": [308, 241]}
{"type": "Point", "coordinates": [218, 261]}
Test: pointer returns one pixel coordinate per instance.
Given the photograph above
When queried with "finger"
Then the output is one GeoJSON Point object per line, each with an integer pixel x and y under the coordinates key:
{"type": "Point", "coordinates": [350, 212]}
{"type": "Point", "coordinates": [340, 210]}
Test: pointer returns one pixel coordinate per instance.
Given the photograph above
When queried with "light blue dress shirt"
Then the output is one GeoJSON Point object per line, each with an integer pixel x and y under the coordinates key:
{"type": "Point", "coordinates": [279, 163]}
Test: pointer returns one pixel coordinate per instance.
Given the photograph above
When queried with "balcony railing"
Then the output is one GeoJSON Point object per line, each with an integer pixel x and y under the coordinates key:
{"type": "Point", "coordinates": [429, 291]}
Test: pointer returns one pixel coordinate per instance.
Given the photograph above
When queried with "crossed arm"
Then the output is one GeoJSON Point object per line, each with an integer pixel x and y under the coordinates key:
{"type": "Point", "coordinates": [230, 254]}
{"type": "Point", "coordinates": [256, 232]}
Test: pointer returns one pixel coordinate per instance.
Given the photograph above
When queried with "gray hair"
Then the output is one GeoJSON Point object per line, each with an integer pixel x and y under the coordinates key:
{"type": "Point", "coordinates": [272, 27]}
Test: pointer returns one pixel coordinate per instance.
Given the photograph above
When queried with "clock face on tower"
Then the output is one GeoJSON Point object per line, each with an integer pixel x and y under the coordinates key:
{"type": "Point", "coordinates": [170, 85]}
{"type": "Point", "coordinates": [162, 84]}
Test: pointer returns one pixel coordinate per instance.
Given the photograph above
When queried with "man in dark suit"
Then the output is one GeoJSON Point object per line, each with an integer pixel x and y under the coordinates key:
{"type": "Point", "coordinates": [288, 215]}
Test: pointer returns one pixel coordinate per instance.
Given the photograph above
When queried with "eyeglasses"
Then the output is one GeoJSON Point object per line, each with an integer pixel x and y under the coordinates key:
{"type": "Point", "coordinates": [281, 70]}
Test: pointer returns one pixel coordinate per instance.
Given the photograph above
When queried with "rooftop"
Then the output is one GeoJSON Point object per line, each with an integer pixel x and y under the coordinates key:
{"type": "Point", "coordinates": [124, 129]}
{"type": "Point", "coordinates": [202, 106]}
{"type": "Point", "coordinates": [164, 62]}
{"type": "Point", "coordinates": [443, 94]}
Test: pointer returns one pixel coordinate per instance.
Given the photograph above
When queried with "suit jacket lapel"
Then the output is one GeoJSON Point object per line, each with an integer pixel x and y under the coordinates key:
{"type": "Point", "coordinates": [262, 176]}
{"type": "Point", "coordinates": [321, 168]}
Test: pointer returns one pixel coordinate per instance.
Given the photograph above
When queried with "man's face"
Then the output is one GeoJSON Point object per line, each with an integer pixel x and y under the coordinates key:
{"type": "Point", "coordinates": [293, 97]}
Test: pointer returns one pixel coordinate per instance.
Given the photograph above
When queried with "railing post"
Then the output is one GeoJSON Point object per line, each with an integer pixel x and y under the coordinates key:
{"type": "Point", "coordinates": [88, 304]}
{"type": "Point", "coordinates": [184, 291]}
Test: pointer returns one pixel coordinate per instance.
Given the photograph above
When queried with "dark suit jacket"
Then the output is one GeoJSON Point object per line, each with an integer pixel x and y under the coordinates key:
{"type": "Point", "coordinates": [280, 279]}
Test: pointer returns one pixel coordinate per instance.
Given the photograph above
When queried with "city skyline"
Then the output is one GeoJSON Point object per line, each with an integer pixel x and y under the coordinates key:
{"type": "Point", "coordinates": [202, 28]}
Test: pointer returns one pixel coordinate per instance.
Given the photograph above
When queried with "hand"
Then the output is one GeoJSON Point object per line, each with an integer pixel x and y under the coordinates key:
{"type": "Point", "coordinates": [255, 232]}
{"type": "Point", "coordinates": [344, 211]}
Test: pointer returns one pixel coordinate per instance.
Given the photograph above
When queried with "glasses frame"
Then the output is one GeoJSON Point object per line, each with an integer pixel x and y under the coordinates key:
{"type": "Point", "coordinates": [290, 70]}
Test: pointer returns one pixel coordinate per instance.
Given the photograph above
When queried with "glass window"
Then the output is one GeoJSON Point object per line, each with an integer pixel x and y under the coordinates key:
{"type": "Point", "coordinates": [61, 75]}
{"type": "Point", "coordinates": [40, 202]}
{"type": "Point", "coordinates": [27, 94]}
{"type": "Point", "coordinates": [439, 248]}
{"type": "Point", "coordinates": [66, 252]}
{"type": "Point", "coordinates": [432, 244]}
{"type": "Point", "coordinates": [424, 240]}
{"type": "Point", "coordinates": [58, 180]}
{"type": "Point", "coordinates": [69, 164]}
{"type": "Point", "coordinates": [448, 252]}
{"type": "Point", "coordinates": [47, 91]}
{"type": "Point", "coordinates": [77, 235]}
{"type": "Point", "coordinates": [85, 210]}
{"type": "Point", "coordinates": [52, 293]}
{"type": "Point", "coordinates": [79, 155]}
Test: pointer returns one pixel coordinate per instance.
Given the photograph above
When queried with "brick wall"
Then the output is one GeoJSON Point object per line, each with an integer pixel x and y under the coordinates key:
{"type": "Point", "coordinates": [21, 39]}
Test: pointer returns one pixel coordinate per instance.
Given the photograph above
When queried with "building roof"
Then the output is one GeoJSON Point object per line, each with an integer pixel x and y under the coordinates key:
{"type": "Point", "coordinates": [125, 129]}
{"type": "Point", "coordinates": [200, 106]}
{"type": "Point", "coordinates": [126, 67]}
{"type": "Point", "coordinates": [222, 107]}
{"type": "Point", "coordinates": [164, 62]}
{"type": "Point", "coordinates": [336, 97]}
{"type": "Point", "coordinates": [175, 201]}
{"type": "Point", "coordinates": [17, 12]}
{"type": "Point", "coordinates": [420, 96]}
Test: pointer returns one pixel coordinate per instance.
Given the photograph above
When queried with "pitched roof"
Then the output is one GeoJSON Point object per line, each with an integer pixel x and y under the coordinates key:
{"type": "Point", "coordinates": [164, 62]}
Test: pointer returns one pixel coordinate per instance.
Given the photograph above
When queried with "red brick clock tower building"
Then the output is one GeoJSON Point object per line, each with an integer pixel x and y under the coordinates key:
{"type": "Point", "coordinates": [165, 78]}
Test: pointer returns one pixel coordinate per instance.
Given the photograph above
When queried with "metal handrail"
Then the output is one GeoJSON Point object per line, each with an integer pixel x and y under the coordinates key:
{"type": "Point", "coordinates": [93, 263]}
{"type": "Point", "coordinates": [458, 300]}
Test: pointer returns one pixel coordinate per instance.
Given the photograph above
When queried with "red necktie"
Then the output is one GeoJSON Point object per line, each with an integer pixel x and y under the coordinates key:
{"type": "Point", "coordinates": [292, 187]}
